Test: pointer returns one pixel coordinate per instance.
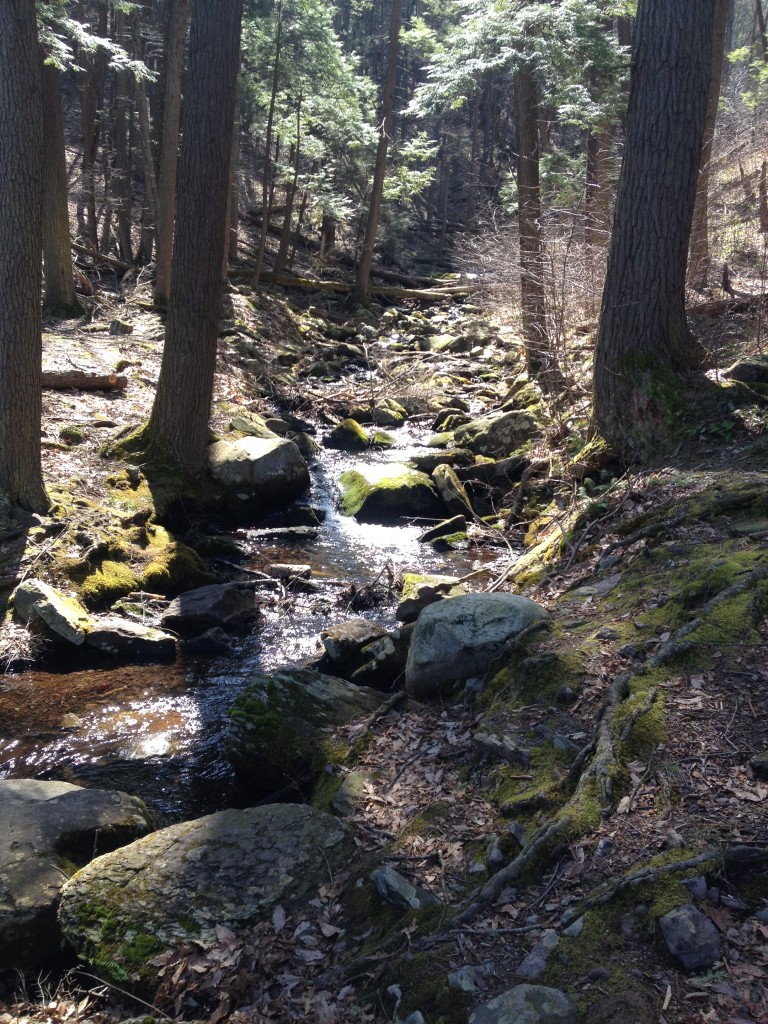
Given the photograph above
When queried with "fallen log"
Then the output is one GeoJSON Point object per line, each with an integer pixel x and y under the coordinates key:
{"type": "Point", "coordinates": [83, 380]}
{"type": "Point", "coordinates": [101, 258]}
{"type": "Point", "coordinates": [719, 307]}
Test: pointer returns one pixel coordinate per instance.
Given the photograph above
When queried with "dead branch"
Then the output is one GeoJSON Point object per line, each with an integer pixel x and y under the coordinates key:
{"type": "Point", "coordinates": [83, 380]}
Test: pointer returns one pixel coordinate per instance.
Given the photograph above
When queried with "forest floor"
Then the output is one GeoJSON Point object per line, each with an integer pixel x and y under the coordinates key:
{"type": "Point", "coordinates": [659, 606]}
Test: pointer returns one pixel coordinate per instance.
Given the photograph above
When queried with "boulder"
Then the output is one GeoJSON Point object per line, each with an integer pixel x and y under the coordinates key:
{"type": "Point", "coordinates": [526, 1004]}
{"type": "Point", "coordinates": [428, 461]}
{"type": "Point", "coordinates": [419, 591]}
{"type": "Point", "coordinates": [749, 370]}
{"type": "Point", "coordinates": [43, 826]}
{"type": "Point", "coordinates": [130, 641]}
{"type": "Point", "coordinates": [269, 470]}
{"type": "Point", "coordinates": [281, 730]}
{"type": "Point", "coordinates": [691, 938]}
{"type": "Point", "coordinates": [499, 434]}
{"type": "Point", "coordinates": [384, 660]}
{"type": "Point", "coordinates": [448, 531]}
{"type": "Point", "coordinates": [345, 642]}
{"type": "Point", "coordinates": [460, 637]}
{"type": "Point", "coordinates": [64, 617]}
{"type": "Point", "coordinates": [347, 436]}
{"type": "Point", "coordinates": [388, 413]}
{"type": "Point", "coordinates": [403, 492]}
{"type": "Point", "coordinates": [451, 490]}
{"type": "Point", "coordinates": [226, 605]}
{"type": "Point", "coordinates": [228, 869]}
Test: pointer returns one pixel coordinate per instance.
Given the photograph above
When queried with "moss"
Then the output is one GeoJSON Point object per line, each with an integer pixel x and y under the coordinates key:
{"type": "Point", "coordinates": [178, 568]}
{"type": "Point", "coordinates": [109, 582]}
{"type": "Point", "coordinates": [427, 990]}
{"type": "Point", "coordinates": [71, 435]}
{"type": "Point", "coordinates": [348, 436]}
{"type": "Point", "coordinates": [647, 724]}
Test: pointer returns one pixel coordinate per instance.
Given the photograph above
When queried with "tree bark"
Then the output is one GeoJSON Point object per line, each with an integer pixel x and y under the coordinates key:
{"type": "Point", "coordinates": [643, 336]}
{"type": "Point", "coordinates": [380, 167]}
{"type": "Point", "coordinates": [92, 98]}
{"type": "Point", "coordinates": [59, 293]}
{"type": "Point", "coordinates": [698, 266]}
{"type": "Point", "coordinates": [21, 242]}
{"type": "Point", "coordinates": [174, 65]}
{"type": "Point", "coordinates": [178, 426]}
{"type": "Point", "coordinates": [122, 176]}
{"type": "Point", "coordinates": [266, 183]}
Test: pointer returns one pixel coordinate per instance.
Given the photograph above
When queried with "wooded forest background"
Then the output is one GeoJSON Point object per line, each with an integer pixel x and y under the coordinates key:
{"type": "Point", "coordinates": [384, 138]}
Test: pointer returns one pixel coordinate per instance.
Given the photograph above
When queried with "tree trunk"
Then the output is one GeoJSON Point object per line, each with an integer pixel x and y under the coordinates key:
{"type": "Point", "coordinates": [598, 193]}
{"type": "Point", "coordinates": [178, 426]}
{"type": "Point", "coordinates": [268, 173]}
{"type": "Point", "coordinates": [21, 242]}
{"type": "Point", "coordinates": [698, 267]}
{"type": "Point", "coordinates": [123, 166]}
{"type": "Point", "coordinates": [290, 197]}
{"type": "Point", "coordinates": [176, 26]}
{"type": "Point", "coordinates": [92, 98]}
{"type": "Point", "coordinates": [380, 167]}
{"type": "Point", "coordinates": [643, 333]}
{"type": "Point", "coordinates": [59, 295]}
{"type": "Point", "coordinates": [537, 355]}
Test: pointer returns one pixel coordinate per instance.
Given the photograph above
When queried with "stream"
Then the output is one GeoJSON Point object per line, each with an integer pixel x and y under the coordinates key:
{"type": "Point", "coordinates": [165, 740]}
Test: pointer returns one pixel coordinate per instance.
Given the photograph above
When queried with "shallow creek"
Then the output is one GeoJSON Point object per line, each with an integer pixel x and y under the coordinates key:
{"type": "Point", "coordinates": [162, 736]}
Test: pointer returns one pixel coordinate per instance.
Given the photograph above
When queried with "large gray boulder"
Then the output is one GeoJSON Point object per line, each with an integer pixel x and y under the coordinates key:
{"type": "Point", "coordinates": [36, 602]}
{"type": "Point", "coordinates": [403, 492]}
{"type": "Point", "coordinates": [45, 826]}
{"type": "Point", "coordinates": [224, 605]}
{"type": "Point", "coordinates": [230, 868]}
{"type": "Point", "coordinates": [499, 434]}
{"type": "Point", "coordinates": [526, 1004]}
{"type": "Point", "coordinates": [459, 637]}
{"type": "Point", "coordinates": [266, 469]}
{"type": "Point", "coordinates": [282, 727]}
{"type": "Point", "coordinates": [130, 641]}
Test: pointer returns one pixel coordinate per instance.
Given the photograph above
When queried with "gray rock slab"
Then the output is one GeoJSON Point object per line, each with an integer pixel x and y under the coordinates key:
{"type": "Point", "coordinates": [460, 637]}
{"type": "Point", "coordinates": [345, 641]}
{"type": "Point", "coordinates": [42, 826]}
{"type": "Point", "coordinates": [229, 868]}
{"type": "Point", "coordinates": [226, 605]}
{"type": "Point", "coordinates": [691, 938]}
{"type": "Point", "coordinates": [270, 469]}
{"type": "Point", "coordinates": [397, 890]}
{"type": "Point", "coordinates": [130, 640]}
{"type": "Point", "coordinates": [526, 1004]}
{"type": "Point", "coordinates": [419, 591]}
{"type": "Point", "coordinates": [63, 616]}
{"type": "Point", "coordinates": [499, 434]}
{"type": "Point", "coordinates": [535, 963]}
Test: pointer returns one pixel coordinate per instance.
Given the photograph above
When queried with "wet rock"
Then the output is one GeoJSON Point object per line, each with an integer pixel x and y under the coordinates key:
{"type": "Point", "coordinates": [253, 426]}
{"type": "Point", "coordinates": [403, 493]}
{"type": "Point", "coordinates": [227, 605]}
{"type": "Point", "coordinates": [574, 930]}
{"type": "Point", "coordinates": [35, 602]}
{"type": "Point", "coordinates": [212, 641]}
{"type": "Point", "coordinates": [526, 1004]}
{"type": "Point", "coordinates": [419, 591]}
{"type": "Point", "coordinates": [696, 886]}
{"type": "Point", "coordinates": [265, 470]}
{"type": "Point", "coordinates": [428, 461]}
{"type": "Point", "coordinates": [460, 637]}
{"type": "Point", "coordinates": [130, 641]}
{"type": "Point", "coordinates": [43, 824]}
{"type": "Point", "coordinates": [445, 529]}
{"type": "Point", "coordinates": [499, 434]}
{"type": "Point", "coordinates": [691, 938]}
{"type": "Point", "coordinates": [398, 891]}
{"type": "Point", "coordinates": [345, 642]}
{"type": "Point", "coordinates": [230, 868]}
{"type": "Point", "coordinates": [535, 963]}
{"type": "Point", "coordinates": [388, 413]}
{"type": "Point", "coordinates": [452, 491]}
{"type": "Point", "coordinates": [347, 436]}
{"type": "Point", "coordinates": [281, 727]}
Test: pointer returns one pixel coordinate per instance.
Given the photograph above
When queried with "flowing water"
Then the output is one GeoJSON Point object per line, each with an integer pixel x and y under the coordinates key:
{"type": "Point", "coordinates": [163, 736]}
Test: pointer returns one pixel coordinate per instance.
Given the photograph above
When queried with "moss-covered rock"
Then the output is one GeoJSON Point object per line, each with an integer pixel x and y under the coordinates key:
{"type": "Point", "coordinates": [176, 568]}
{"type": "Point", "coordinates": [107, 583]}
{"type": "Point", "coordinates": [499, 434]}
{"type": "Point", "coordinates": [347, 436]}
{"type": "Point", "coordinates": [230, 869]}
{"type": "Point", "coordinates": [282, 724]}
{"type": "Point", "coordinates": [406, 492]}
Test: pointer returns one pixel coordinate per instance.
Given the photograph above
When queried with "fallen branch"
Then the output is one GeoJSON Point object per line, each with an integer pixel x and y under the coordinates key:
{"type": "Point", "coordinates": [99, 257]}
{"type": "Point", "coordinates": [83, 380]}
{"type": "Point", "coordinates": [383, 291]}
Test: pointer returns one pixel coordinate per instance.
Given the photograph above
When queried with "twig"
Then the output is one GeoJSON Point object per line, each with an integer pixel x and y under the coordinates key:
{"type": "Point", "coordinates": [125, 992]}
{"type": "Point", "coordinates": [382, 710]}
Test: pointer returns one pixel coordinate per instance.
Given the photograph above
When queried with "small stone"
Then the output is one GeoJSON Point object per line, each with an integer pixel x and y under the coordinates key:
{"type": "Point", "coordinates": [465, 979]}
{"type": "Point", "coordinates": [350, 793]}
{"type": "Point", "coordinates": [696, 886]}
{"type": "Point", "coordinates": [526, 1004]}
{"type": "Point", "coordinates": [565, 695]}
{"type": "Point", "coordinates": [121, 327]}
{"type": "Point", "coordinates": [733, 903]}
{"type": "Point", "coordinates": [535, 963]}
{"type": "Point", "coordinates": [628, 651]}
{"type": "Point", "coordinates": [673, 841]}
{"type": "Point", "coordinates": [608, 633]}
{"type": "Point", "coordinates": [398, 891]}
{"type": "Point", "coordinates": [573, 931]}
{"type": "Point", "coordinates": [691, 938]}
{"type": "Point", "coordinates": [762, 915]}
{"type": "Point", "coordinates": [599, 974]}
